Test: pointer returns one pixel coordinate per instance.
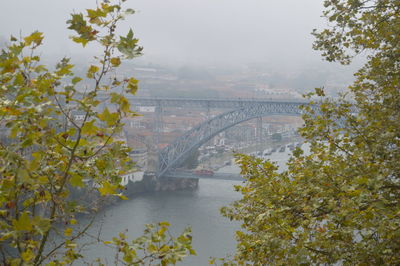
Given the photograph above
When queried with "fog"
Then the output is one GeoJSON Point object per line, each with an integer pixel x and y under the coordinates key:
{"type": "Point", "coordinates": [194, 32]}
{"type": "Point", "coordinates": [233, 50]}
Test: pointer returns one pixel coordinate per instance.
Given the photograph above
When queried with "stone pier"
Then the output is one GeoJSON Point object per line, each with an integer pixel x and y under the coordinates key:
{"type": "Point", "coordinates": [150, 181]}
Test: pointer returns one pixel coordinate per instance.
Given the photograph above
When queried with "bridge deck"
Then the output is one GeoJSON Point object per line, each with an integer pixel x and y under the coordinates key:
{"type": "Point", "coordinates": [232, 103]}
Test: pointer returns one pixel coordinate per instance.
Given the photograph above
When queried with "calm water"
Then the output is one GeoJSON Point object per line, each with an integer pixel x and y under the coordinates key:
{"type": "Point", "coordinates": [213, 234]}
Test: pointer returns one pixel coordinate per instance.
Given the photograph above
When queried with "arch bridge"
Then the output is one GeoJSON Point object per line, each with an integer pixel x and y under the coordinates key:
{"type": "Point", "coordinates": [175, 154]}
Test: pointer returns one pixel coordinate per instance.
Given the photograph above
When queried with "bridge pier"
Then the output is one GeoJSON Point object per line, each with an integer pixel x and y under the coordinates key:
{"type": "Point", "coordinates": [154, 183]}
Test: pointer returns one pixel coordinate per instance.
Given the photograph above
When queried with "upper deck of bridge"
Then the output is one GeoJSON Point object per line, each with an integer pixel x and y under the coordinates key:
{"type": "Point", "coordinates": [210, 102]}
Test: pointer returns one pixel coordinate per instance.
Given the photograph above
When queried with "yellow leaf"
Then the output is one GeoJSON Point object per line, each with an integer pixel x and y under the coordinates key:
{"type": "Point", "coordinates": [92, 69]}
{"type": "Point", "coordinates": [107, 189]}
{"type": "Point", "coordinates": [35, 37]}
{"type": "Point", "coordinates": [164, 224]}
{"type": "Point", "coordinates": [164, 248]}
{"type": "Point", "coordinates": [123, 197]}
{"type": "Point", "coordinates": [115, 61]}
{"type": "Point", "coordinates": [68, 231]}
{"type": "Point", "coordinates": [28, 255]}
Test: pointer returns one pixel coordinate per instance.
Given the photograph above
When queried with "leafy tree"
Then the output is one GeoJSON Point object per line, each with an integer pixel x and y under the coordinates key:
{"type": "Point", "coordinates": [156, 244]}
{"type": "Point", "coordinates": [46, 152]}
{"type": "Point", "coordinates": [339, 204]}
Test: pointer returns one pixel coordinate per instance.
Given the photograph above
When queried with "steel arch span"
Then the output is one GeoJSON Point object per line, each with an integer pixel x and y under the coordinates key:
{"type": "Point", "coordinates": [175, 153]}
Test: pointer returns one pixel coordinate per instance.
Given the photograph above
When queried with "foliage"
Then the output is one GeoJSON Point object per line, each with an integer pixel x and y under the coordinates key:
{"type": "Point", "coordinates": [277, 137]}
{"type": "Point", "coordinates": [340, 203]}
{"type": "Point", "coordinates": [46, 151]}
{"type": "Point", "coordinates": [156, 244]}
{"type": "Point", "coordinates": [192, 162]}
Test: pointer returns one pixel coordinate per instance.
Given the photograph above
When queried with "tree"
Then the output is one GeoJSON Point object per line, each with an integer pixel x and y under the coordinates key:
{"type": "Point", "coordinates": [277, 137]}
{"type": "Point", "coordinates": [340, 203]}
{"type": "Point", "coordinates": [192, 162]}
{"type": "Point", "coordinates": [46, 152]}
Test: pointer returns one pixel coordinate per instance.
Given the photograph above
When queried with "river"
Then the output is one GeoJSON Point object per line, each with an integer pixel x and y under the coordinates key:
{"type": "Point", "coordinates": [213, 234]}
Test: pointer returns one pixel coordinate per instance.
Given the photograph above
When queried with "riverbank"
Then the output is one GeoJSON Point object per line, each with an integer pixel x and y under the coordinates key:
{"type": "Point", "coordinates": [218, 161]}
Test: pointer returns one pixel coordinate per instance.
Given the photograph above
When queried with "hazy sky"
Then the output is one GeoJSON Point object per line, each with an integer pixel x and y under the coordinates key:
{"type": "Point", "coordinates": [188, 31]}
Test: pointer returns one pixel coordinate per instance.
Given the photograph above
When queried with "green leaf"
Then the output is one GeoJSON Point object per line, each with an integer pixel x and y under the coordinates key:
{"type": "Point", "coordinates": [132, 86]}
{"type": "Point", "coordinates": [89, 128]}
{"type": "Point", "coordinates": [129, 36]}
{"type": "Point", "coordinates": [41, 224]}
{"type": "Point", "coordinates": [91, 71]}
{"type": "Point", "coordinates": [107, 189]}
{"type": "Point", "coordinates": [110, 118]}
{"type": "Point", "coordinates": [129, 11]}
{"type": "Point", "coordinates": [94, 14]}
{"type": "Point", "coordinates": [80, 40]}
{"type": "Point", "coordinates": [36, 38]}
{"type": "Point", "coordinates": [23, 175]}
{"type": "Point", "coordinates": [121, 101]}
{"type": "Point", "coordinates": [76, 180]}
{"type": "Point", "coordinates": [75, 80]}
{"type": "Point", "coordinates": [23, 223]}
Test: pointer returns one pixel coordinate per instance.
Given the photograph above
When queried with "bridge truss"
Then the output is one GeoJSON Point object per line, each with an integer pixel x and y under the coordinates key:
{"type": "Point", "coordinates": [174, 154]}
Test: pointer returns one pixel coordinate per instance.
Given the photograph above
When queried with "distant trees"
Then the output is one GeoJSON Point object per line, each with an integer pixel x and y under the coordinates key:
{"type": "Point", "coordinates": [192, 161]}
{"type": "Point", "coordinates": [276, 137]}
{"type": "Point", "coordinates": [49, 151]}
{"type": "Point", "coordinates": [340, 203]}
